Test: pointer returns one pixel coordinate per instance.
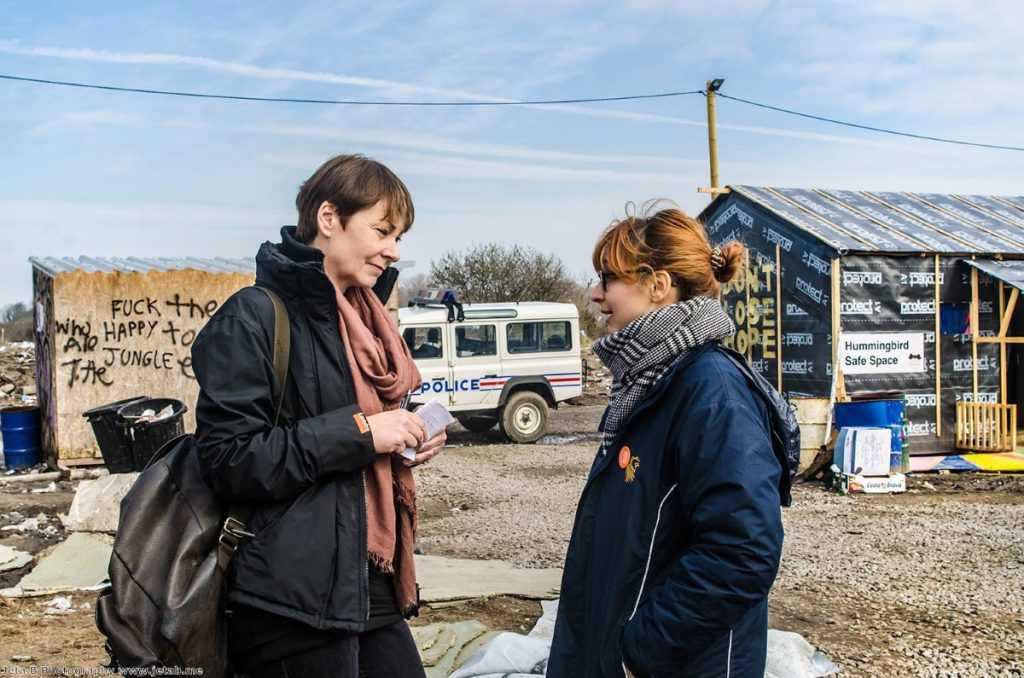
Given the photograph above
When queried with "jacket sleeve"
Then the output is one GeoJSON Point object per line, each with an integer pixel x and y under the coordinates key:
{"type": "Point", "coordinates": [728, 484]}
{"type": "Point", "coordinates": [244, 456]}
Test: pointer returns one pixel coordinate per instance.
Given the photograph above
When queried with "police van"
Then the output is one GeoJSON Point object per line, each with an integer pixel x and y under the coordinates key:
{"type": "Point", "coordinates": [502, 363]}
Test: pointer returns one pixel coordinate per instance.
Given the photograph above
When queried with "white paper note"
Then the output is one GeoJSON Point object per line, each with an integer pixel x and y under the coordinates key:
{"type": "Point", "coordinates": [437, 419]}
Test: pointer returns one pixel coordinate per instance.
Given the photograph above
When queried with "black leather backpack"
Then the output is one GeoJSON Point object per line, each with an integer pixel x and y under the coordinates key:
{"type": "Point", "coordinates": [175, 538]}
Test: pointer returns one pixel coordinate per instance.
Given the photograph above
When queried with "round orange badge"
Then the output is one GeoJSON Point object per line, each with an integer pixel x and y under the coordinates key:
{"type": "Point", "coordinates": [624, 456]}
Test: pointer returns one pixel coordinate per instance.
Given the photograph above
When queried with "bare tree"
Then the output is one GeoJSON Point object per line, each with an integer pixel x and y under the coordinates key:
{"type": "Point", "coordinates": [13, 312]}
{"type": "Point", "coordinates": [496, 272]}
{"type": "Point", "coordinates": [590, 321]}
{"type": "Point", "coordinates": [16, 322]}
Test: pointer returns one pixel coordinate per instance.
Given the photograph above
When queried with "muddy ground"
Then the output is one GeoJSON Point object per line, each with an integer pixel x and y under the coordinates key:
{"type": "Point", "coordinates": [925, 583]}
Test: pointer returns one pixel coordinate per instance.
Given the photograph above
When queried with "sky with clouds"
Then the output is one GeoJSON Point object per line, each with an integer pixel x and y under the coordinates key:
{"type": "Point", "coordinates": [87, 172]}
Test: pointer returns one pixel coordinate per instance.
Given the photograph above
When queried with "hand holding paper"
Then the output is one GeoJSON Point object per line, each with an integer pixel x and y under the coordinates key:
{"type": "Point", "coordinates": [436, 417]}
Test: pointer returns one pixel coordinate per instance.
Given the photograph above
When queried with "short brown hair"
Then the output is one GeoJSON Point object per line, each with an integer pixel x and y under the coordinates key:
{"type": "Point", "coordinates": [635, 247]}
{"type": "Point", "coordinates": [352, 183]}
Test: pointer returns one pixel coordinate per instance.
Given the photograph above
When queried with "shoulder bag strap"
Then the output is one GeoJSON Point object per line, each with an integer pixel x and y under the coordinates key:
{"type": "Point", "coordinates": [233, 529]}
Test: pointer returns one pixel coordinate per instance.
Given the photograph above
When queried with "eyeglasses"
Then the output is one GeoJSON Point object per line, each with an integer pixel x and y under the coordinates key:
{"type": "Point", "coordinates": [604, 277]}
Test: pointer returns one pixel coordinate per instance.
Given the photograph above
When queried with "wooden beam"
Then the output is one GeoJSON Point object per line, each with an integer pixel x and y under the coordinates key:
{"type": "Point", "coordinates": [1000, 340]}
{"type": "Point", "coordinates": [1002, 351]}
{"type": "Point", "coordinates": [1007, 312]}
{"type": "Point", "coordinates": [713, 190]}
{"type": "Point", "coordinates": [778, 315]}
{"type": "Point", "coordinates": [837, 372]}
{"type": "Point", "coordinates": [938, 352]}
{"type": "Point", "coordinates": [974, 330]}
{"type": "Point", "coordinates": [746, 307]}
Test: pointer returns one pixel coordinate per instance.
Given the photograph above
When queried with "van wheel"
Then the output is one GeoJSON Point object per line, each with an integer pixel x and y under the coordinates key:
{"type": "Point", "coordinates": [478, 424]}
{"type": "Point", "coordinates": [524, 419]}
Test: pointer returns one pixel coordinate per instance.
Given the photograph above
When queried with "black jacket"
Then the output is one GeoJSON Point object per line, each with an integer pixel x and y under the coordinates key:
{"type": "Point", "coordinates": [670, 571]}
{"type": "Point", "coordinates": [304, 477]}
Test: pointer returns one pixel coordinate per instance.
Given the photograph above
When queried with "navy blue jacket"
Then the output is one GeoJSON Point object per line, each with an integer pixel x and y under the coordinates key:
{"type": "Point", "coordinates": [669, 572]}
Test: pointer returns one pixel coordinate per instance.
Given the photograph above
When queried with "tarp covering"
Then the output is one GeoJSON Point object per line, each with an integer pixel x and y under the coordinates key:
{"type": "Point", "coordinates": [904, 223]}
{"type": "Point", "coordinates": [1010, 272]}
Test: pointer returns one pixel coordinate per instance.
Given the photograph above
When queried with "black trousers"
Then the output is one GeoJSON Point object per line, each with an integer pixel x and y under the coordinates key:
{"type": "Point", "coordinates": [387, 652]}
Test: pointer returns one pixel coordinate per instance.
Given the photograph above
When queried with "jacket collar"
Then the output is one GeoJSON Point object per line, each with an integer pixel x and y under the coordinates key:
{"type": "Point", "coordinates": [652, 397]}
{"type": "Point", "coordinates": [296, 271]}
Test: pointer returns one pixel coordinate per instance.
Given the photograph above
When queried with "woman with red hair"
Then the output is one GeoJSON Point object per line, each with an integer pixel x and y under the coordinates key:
{"type": "Point", "coordinates": [678, 533]}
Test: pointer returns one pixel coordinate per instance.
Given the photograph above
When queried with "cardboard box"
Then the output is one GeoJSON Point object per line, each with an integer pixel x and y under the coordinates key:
{"type": "Point", "coordinates": [862, 450]}
{"type": "Point", "coordinates": [877, 485]}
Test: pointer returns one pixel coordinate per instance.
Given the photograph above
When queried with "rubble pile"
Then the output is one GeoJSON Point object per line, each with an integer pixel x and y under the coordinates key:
{"type": "Point", "coordinates": [17, 373]}
{"type": "Point", "coordinates": [597, 380]}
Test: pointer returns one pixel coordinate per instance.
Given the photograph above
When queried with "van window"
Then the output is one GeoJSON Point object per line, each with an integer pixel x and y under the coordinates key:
{"type": "Point", "coordinates": [539, 336]}
{"type": "Point", "coordinates": [474, 340]}
{"type": "Point", "coordinates": [423, 342]}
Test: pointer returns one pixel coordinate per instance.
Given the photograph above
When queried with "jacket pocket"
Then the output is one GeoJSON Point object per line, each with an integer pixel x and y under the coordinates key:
{"type": "Point", "coordinates": [289, 562]}
{"type": "Point", "coordinates": [650, 551]}
{"type": "Point", "coordinates": [263, 520]}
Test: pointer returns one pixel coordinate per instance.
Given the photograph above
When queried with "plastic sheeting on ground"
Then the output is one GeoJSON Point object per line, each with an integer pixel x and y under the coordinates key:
{"type": "Point", "coordinates": [983, 461]}
{"type": "Point", "coordinates": [512, 655]}
{"type": "Point", "coordinates": [790, 656]}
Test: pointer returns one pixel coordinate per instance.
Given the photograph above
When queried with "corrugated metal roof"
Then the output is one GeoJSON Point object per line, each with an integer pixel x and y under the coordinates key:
{"type": "Point", "coordinates": [1010, 272]}
{"type": "Point", "coordinates": [905, 223]}
{"type": "Point", "coordinates": [55, 265]}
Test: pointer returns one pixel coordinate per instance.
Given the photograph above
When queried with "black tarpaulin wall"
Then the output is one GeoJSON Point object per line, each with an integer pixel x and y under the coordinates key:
{"type": "Point", "coordinates": [787, 316]}
{"type": "Point", "coordinates": [885, 293]}
{"type": "Point", "coordinates": [795, 323]}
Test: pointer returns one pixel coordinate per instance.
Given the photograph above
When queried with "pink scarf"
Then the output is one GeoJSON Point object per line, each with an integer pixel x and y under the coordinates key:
{"type": "Point", "coordinates": [383, 371]}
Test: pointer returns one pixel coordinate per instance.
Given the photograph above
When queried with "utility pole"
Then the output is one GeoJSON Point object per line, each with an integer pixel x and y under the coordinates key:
{"type": "Point", "coordinates": [712, 87]}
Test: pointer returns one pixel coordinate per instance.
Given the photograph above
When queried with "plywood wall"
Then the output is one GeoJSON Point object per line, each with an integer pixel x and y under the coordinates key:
{"type": "Point", "coordinates": [118, 335]}
{"type": "Point", "coordinates": [812, 416]}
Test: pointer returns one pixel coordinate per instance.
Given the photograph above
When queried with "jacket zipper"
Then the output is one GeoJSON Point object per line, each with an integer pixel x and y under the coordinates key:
{"type": "Point", "coordinates": [650, 552]}
{"type": "Point", "coordinates": [366, 549]}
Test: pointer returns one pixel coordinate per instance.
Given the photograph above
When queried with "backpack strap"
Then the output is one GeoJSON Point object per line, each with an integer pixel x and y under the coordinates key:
{"type": "Point", "coordinates": [785, 430]}
{"type": "Point", "coordinates": [282, 345]}
{"type": "Point", "coordinates": [233, 530]}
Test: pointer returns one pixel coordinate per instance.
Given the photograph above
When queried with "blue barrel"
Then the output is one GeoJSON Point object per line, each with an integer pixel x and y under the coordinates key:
{"type": "Point", "coordinates": [20, 426]}
{"type": "Point", "coordinates": [869, 413]}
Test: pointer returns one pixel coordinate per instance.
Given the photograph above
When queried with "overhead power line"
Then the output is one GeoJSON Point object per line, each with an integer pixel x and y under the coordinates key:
{"type": "Point", "coordinates": [351, 102]}
{"type": "Point", "coordinates": [535, 102]}
{"type": "Point", "coordinates": [871, 128]}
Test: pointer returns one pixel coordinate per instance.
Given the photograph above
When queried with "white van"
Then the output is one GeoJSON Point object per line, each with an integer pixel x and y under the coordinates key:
{"type": "Point", "coordinates": [490, 364]}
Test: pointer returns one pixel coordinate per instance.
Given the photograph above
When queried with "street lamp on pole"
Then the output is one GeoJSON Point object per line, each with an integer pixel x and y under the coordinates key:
{"type": "Point", "coordinates": [712, 87]}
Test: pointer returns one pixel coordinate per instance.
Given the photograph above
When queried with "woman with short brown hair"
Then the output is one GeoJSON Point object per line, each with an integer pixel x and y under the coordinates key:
{"type": "Point", "coordinates": [324, 580]}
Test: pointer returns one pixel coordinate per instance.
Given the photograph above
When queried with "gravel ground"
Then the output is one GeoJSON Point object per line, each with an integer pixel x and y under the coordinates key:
{"type": "Point", "coordinates": [928, 583]}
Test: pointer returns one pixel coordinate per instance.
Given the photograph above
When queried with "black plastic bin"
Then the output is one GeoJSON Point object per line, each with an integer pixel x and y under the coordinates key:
{"type": "Point", "coordinates": [110, 435]}
{"type": "Point", "coordinates": [146, 437]}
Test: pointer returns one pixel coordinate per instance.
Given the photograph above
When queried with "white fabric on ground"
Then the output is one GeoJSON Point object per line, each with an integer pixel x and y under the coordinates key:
{"type": "Point", "coordinates": [790, 656]}
{"type": "Point", "coordinates": [512, 655]}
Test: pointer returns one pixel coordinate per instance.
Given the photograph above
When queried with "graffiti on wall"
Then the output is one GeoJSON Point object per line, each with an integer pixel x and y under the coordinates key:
{"type": "Point", "coordinates": [751, 298]}
{"type": "Point", "coordinates": [144, 333]}
{"type": "Point", "coordinates": [43, 296]}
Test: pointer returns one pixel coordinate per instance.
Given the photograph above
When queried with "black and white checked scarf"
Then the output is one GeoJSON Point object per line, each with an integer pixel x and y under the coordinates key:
{"type": "Point", "coordinates": [641, 352]}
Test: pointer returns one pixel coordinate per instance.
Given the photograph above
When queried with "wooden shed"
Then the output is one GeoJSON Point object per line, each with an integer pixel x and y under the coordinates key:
{"type": "Point", "coordinates": [109, 329]}
{"type": "Point", "coordinates": [881, 291]}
